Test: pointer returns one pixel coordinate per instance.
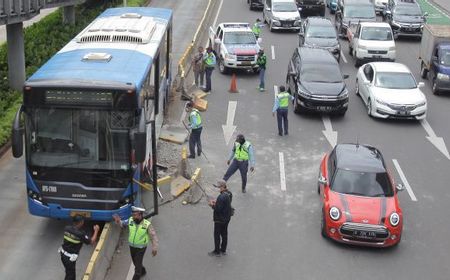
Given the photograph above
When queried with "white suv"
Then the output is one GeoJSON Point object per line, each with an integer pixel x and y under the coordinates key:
{"type": "Point", "coordinates": [372, 41]}
{"type": "Point", "coordinates": [235, 45]}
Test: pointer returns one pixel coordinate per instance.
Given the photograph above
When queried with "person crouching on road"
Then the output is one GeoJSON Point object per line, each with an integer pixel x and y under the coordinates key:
{"type": "Point", "coordinates": [74, 237]}
{"type": "Point", "coordinates": [221, 216]}
{"type": "Point", "coordinates": [261, 62]}
{"type": "Point", "coordinates": [241, 154]}
{"type": "Point", "coordinates": [281, 106]}
{"type": "Point", "coordinates": [140, 233]}
{"type": "Point", "coordinates": [195, 124]}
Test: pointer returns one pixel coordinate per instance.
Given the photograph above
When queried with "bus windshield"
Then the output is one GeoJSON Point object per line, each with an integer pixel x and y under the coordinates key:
{"type": "Point", "coordinates": [79, 138]}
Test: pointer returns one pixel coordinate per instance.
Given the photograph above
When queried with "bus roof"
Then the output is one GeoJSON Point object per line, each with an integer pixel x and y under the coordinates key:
{"type": "Point", "coordinates": [118, 47]}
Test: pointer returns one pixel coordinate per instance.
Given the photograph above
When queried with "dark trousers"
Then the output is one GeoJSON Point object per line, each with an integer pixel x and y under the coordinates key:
{"type": "Point", "coordinates": [194, 140]}
{"type": "Point", "coordinates": [282, 118]}
{"type": "Point", "coordinates": [69, 266]}
{"type": "Point", "coordinates": [234, 166]}
{"type": "Point", "coordinates": [220, 232]}
{"type": "Point", "coordinates": [137, 256]}
{"type": "Point", "coordinates": [208, 73]}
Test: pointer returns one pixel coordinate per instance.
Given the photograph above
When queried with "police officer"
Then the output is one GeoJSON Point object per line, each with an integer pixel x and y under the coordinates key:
{"type": "Point", "coordinates": [210, 62]}
{"type": "Point", "coordinates": [241, 154]}
{"type": "Point", "coordinates": [74, 237]}
{"type": "Point", "coordinates": [256, 28]}
{"type": "Point", "coordinates": [221, 216]}
{"type": "Point", "coordinates": [281, 106]}
{"type": "Point", "coordinates": [261, 61]}
{"type": "Point", "coordinates": [195, 124]}
{"type": "Point", "coordinates": [140, 233]}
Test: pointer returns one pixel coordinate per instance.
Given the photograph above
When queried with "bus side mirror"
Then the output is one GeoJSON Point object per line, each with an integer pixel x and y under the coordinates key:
{"type": "Point", "coordinates": [17, 135]}
{"type": "Point", "coordinates": [140, 146]}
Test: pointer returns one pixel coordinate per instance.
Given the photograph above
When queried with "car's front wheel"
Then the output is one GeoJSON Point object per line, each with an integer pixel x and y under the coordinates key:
{"type": "Point", "coordinates": [357, 88]}
{"type": "Point", "coordinates": [434, 87]}
{"type": "Point", "coordinates": [369, 107]}
{"type": "Point", "coordinates": [297, 108]}
{"type": "Point", "coordinates": [222, 68]}
{"type": "Point", "coordinates": [323, 229]}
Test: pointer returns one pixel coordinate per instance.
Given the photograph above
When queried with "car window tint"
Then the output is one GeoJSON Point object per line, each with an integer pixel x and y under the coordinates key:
{"type": "Point", "coordinates": [376, 33]}
{"type": "Point", "coordinates": [362, 183]}
{"type": "Point", "coordinates": [395, 80]}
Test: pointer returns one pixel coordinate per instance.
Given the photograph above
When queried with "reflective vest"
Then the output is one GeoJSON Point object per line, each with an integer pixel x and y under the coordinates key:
{"type": "Point", "coordinates": [262, 60]}
{"type": "Point", "coordinates": [69, 237]}
{"type": "Point", "coordinates": [283, 99]}
{"type": "Point", "coordinates": [241, 153]}
{"type": "Point", "coordinates": [138, 236]}
{"type": "Point", "coordinates": [197, 115]}
{"type": "Point", "coordinates": [209, 60]}
{"type": "Point", "coordinates": [256, 29]}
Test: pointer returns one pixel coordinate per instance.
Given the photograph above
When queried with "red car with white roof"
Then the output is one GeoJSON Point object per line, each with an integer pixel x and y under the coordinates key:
{"type": "Point", "coordinates": [359, 199]}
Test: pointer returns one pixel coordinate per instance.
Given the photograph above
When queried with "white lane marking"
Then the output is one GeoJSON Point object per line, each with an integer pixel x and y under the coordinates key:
{"type": "Point", "coordinates": [218, 12]}
{"type": "Point", "coordinates": [329, 133]}
{"type": "Point", "coordinates": [437, 8]}
{"type": "Point", "coordinates": [229, 128]}
{"type": "Point", "coordinates": [343, 57]}
{"type": "Point", "coordinates": [273, 52]}
{"type": "Point", "coordinates": [282, 173]}
{"type": "Point", "coordinates": [130, 272]}
{"type": "Point", "coordinates": [438, 142]}
{"type": "Point", "coordinates": [404, 180]}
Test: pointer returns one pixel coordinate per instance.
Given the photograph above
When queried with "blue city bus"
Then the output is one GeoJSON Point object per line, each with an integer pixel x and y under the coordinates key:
{"type": "Point", "coordinates": [91, 114]}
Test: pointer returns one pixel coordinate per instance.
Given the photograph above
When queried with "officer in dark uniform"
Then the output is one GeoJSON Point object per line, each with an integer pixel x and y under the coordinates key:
{"type": "Point", "coordinates": [74, 237]}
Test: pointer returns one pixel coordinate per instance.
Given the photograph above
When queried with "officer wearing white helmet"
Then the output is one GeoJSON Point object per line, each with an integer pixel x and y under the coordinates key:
{"type": "Point", "coordinates": [141, 232]}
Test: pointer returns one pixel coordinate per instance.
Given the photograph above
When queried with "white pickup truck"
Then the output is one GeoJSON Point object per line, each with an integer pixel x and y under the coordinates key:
{"type": "Point", "coordinates": [235, 45]}
{"type": "Point", "coordinates": [371, 41]}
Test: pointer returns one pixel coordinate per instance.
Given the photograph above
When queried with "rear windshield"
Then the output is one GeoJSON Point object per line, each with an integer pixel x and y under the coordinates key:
{"type": "Point", "coordinates": [362, 183]}
{"type": "Point", "coordinates": [376, 33]}
{"type": "Point", "coordinates": [359, 11]}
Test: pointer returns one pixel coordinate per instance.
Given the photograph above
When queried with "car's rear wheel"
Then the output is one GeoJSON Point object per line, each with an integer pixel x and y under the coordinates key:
{"type": "Point", "coordinates": [357, 88]}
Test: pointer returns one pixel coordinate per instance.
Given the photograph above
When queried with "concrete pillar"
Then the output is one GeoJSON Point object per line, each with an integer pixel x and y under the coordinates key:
{"type": "Point", "coordinates": [16, 55]}
{"type": "Point", "coordinates": [69, 15]}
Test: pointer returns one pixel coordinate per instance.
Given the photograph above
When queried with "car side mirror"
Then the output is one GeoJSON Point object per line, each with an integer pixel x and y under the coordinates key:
{"type": "Point", "coordinates": [346, 76]}
{"type": "Point", "coordinates": [425, 14]}
{"type": "Point", "coordinates": [300, 9]}
{"type": "Point", "coordinates": [268, 9]}
{"type": "Point", "coordinates": [420, 84]}
{"type": "Point", "coordinates": [367, 83]}
{"type": "Point", "coordinates": [259, 40]}
{"type": "Point", "coordinates": [399, 187]}
{"type": "Point", "coordinates": [217, 41]}
{"type": "Point", "coordinates": [322, 180]}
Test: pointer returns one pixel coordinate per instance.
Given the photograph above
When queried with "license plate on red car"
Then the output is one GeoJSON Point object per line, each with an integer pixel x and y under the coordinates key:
{"type": "Point", "coordinates": [364, 234]}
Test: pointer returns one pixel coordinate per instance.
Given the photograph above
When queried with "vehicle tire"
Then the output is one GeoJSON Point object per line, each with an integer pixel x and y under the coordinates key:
{"type": "Point", "coordinates": [270, 26]}
{"type": "Point", "coordinates": [357, 88]}
{"type": "Point", "coordinates": [322, 14]}
{"type": "Point", "coordinates": [434, 87]}
{"type": "Point", "coordinates": [323, 230]}
{"type": "Point", "coordinates": [264, 18]}
{"type": "Point", "coordinates": [222, 68]}
{"type": "Point", "coordinates": [423, 71]}
{"type": "Point", "coordinates": [341, 113]}
{"type": "Point", "coordinates": [369, 107]}
{"type": "Point", "coordinates": [297, 108]}
{"type": "Point", "coordinates": [255, 70]}
{"type": "Point", "coordinates": [357, 60]}
{"type": "Point", "coordinates": [350, 49]}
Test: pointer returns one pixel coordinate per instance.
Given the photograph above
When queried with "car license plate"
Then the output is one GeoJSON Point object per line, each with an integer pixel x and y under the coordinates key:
{"type": "Point", "coordinates": [246, 63]}
{"type": "Point", "coordinates": [81, 213]}
{"type": "Point", "coordinates": [403, 113]}
{"type": "Point", "coordinates": [308, 7]}
{"type": "Point", "coordinates": [324, 108]}
{"type": "Point", "coordinates": [287, 25]}
{"type": "Point", "coordinates": [376, 56]}
{"type": "Point", "coordinates": [364, 234]}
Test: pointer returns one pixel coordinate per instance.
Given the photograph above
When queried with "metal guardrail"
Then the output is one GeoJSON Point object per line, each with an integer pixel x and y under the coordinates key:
{"type": "Point", "coordinates": [184, 64]}
{"type": "Point", "coordinates": [14, 11]}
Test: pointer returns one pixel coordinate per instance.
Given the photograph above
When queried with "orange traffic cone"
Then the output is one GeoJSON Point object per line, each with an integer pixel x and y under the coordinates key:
{"type": "Point", "coordinates": [233, 86]}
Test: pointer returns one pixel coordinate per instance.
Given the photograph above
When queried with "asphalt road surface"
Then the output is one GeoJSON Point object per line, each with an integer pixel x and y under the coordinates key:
{"type": "Point", "coordinates": [29, 244]}
{"type": "Point", "coordinates": [275, 233]}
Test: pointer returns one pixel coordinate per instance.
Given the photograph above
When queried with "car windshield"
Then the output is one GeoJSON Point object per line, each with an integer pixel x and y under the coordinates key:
{"type": "Point", "coordinates": [408, 11]}
{"type": "Point", "coordinates": [240, 38]}
{"type": "Point", "coordinates": [76, 138]}
{"type": "Point", "coordinates": [376, 33]}
{"type": "Point", "coordinates": [445, 58]}
{"type": "Point", "coordinates": [394, 80]}
{"type": "Point", "coordinates": [320, 31]}
{"type": "Point", "coordinates": [370, 184]}
{"type": "Point", "coordinates": [320, 73]}
{"type": "Point", "coordinates": [284, 7]}
{"type": "Point", "coordinates": [359, 11]}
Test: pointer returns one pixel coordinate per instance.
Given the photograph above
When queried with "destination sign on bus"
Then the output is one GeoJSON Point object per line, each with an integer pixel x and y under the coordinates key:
{"type": "Point", "coordinates": [58, 96]}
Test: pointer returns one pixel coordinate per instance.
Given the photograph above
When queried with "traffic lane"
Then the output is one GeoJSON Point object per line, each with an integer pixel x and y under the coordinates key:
{"type": "Point", "coordinates": [25, 237]}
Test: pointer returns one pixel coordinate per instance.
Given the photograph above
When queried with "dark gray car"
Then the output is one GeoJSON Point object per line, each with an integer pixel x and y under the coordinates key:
{"type": "Point", "coordinates": [315, 80]}
{"type": "Point", "coordinates": [406, 19]}
{"type": "Point", "coordinates": [319, 32]}
{"type": "Point", "coordinates": [352, 12]}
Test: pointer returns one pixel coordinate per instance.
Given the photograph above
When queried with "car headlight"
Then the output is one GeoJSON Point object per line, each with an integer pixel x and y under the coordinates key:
{"type": "Point", "coordinates": [441, 76]}
{"type": "Point", "coordinates": [422, 104]}
{"type": "Point", "coordinates": [230, 56]}
{"type": "Point", "coordinates": [395, 23]}
{"type": "Point", "coordinates": [335, 214]}
{"type": "Point", "coordinates": [381, 102]}
{"type": "Point", "coordinates": [362, 47]}
{"type": "Point", "coordinates": [303, 93]}
{"type": "Point", "coordinates": [343, 94]}
{"type": "Point", "coordinates": [394, 219]}
{"type": "Point", "coordinates": [392, 48]}
{"type": "Point", "coordinates": [276, 19]}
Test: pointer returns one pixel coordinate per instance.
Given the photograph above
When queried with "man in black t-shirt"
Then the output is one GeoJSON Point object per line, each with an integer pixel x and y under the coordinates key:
{"type": "Point", "coordinates": [221, 216]}
{"type": "Point", "coordinates": [74, 237]}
